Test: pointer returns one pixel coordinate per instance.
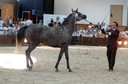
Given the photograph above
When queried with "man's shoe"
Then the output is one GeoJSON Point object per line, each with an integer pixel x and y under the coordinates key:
{"type": "Point", "coordinates": [110, 70]}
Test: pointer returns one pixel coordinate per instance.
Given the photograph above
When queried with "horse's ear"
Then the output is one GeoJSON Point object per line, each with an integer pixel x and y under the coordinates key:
{"type": "Point", "coordinates": [77, 10]}
{"type": "Point", "coordinates": [72, 10]}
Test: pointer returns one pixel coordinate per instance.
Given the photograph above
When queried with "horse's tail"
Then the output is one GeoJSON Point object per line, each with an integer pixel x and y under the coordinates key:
{"type": "Point", "coordinates": [20, 38]}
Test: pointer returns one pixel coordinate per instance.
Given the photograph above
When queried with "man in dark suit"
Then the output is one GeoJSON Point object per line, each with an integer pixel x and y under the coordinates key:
{"type": "Point", "coordinates": [113, 35]}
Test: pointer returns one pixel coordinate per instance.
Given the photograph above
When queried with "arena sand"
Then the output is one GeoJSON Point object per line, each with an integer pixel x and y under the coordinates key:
{"type": "Point", "coordinates": [89, 65]}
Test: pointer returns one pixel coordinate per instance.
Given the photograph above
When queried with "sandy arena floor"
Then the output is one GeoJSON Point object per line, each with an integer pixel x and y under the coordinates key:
{"type": "Point", "coordinates": [89, 65]}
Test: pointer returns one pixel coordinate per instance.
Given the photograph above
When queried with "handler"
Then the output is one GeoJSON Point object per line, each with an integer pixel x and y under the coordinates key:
{"type": "Point", "coordinates": [113, 35]}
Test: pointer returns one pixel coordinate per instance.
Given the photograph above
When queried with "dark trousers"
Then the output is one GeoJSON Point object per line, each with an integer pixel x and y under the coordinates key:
{"type": "Point", "coordinates": [111, 55]}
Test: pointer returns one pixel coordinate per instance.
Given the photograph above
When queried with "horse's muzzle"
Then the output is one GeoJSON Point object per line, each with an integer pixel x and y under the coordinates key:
{"type": "Point", "coordinates": [84, 16]}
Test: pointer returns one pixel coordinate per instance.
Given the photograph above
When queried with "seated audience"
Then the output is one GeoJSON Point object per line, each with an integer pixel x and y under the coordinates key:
{"type": "Point", "coordinates": [51, 24]}
{"type": "Point", "coordinates": [81, 31]}
{"type": "Point", "coordinates": [10, 20]}
{"type": "Point", "coordinates": [104, 28]}
{"type": "Point", "coordinates": [123, 34]}
{"type": "Point", "coordinates": [57, 22]}
{"type": "Point", "coordinates": [4, 29]}
{"type": "Point", "coordinates": [98, 26]}
{"type": "Point", "coordinates": [90, 26]}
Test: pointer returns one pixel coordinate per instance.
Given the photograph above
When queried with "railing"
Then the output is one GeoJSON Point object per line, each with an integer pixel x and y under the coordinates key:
{"type": "Point", "coordinates": [7, 40]}
{"type": "Point", "coordinates": [79, 40]}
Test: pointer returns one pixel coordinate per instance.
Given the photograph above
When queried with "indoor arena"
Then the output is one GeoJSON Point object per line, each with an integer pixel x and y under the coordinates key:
{"type": "Point", "coordinates": [63, 42]}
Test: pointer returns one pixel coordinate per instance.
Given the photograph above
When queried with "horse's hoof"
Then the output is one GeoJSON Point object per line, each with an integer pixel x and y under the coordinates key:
{"type": "Point", "coordinates": [30, 68]}
{"type": "Point", "coordinates": [70, 70]}
{"type": "Point", "coordinates": [57, 70]}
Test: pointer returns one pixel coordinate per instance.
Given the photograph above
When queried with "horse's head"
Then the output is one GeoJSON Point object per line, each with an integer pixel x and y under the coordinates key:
{"type": "Point", "coordinates": [79, 16]}
{"type": "Point", "coordinates": [74, 16]}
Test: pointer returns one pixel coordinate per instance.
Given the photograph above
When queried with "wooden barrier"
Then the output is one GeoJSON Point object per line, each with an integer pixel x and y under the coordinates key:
{"type": "Point", "coordinates": [85, 26]}
{"type": "Point", "coordinates": [88, 41]}
{"type": "Point", "coordinates": [7, 40]}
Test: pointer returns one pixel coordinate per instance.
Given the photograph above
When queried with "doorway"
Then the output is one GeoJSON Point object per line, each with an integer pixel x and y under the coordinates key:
{"type": "Point", "coordinates": [116, 12]}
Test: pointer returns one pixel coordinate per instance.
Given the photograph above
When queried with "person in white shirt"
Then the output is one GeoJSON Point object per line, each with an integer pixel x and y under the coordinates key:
{"type": "Point", "coordinates": [41, 22]}
{"type": "Point", "coordinates": [10, 20]}
{"type": "Point", "coordinates": [28, 22]}
{"type": "Point", "coordinates": [11, 29]}
{"type": "Point", "coordinates": [1, 22]}
{"type": "Point", "coordinates": [57, 22]}
{"type": "Point", "coordinates": [104, 27]}
{"type": "Point", "coordinates": [123, 34]}
{"type": "Point", "coordinates": [23, 22]}
{"type": "Point", "coordinates": [90, 26]}
{"type": "Point", "coordinates": [16, 28]}
{"type": "Point", "coordinates": [82, 31]}
{"type": "Point", "coordinates": [4, 29]}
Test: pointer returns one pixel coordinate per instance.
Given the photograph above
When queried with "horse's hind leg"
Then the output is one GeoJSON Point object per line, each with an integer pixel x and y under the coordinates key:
{"type": "Point", "coordinates": [59, 58]}
{"type": "Point", "coordinates": [28, 57]}
{"type": "Point", "coordinates": [67, 58]}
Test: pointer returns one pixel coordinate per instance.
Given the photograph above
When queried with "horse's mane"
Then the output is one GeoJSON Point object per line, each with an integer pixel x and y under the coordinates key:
{"type": "Point", "coordinates": [66, 20]}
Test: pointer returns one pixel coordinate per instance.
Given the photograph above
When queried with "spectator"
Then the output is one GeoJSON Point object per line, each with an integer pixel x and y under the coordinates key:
{"type": "Point", "coordinates": [16, 28]}
{"type": "Point", "coordinates": [90, 26]}
{"type": "Point", "coordinates": [11, 29]}
{"type": "Point", "coordinates": [97, 33]}
{"type": "Point", "coordinates": [1, 22]}
{"type": "Point", "coordinates": [123, 34]}
{"type": "Point", "coordinates": [18, 21]}
{"type": "Point", "coordinates": [104, 27]}
{"type": "Point", "coordinates": [23, 22]}
{"type": "Point", "coordinates": [41, 22]}
{"type": "Point", "coordinates": [7, 21]}
{"type": "Point", "coordinates": [4, 29]}
{"type": "Point", "coordinates": [10, 20]}
{"type": "Point", "coordinates": [51, 24]}
{"type": "Point", "coordinates": [81, 31]}
{"type": "Point", "coordinates": [57, 22]}
{"type": "Point", "coordinates": [28, 22]}
{"type": "Point", "coordinates": [98, 26]}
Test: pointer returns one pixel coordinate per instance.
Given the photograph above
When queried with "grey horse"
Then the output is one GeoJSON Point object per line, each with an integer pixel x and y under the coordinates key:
{"type": "Point", "coordinates": [59, 36]}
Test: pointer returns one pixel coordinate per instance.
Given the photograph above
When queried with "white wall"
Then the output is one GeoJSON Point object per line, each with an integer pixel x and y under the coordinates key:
{"type": "Point", "coordinates": [125, 13]}
{"type": "Point", "coordinates": [96, 10]}
{"type": "Point", "coordinates": [47, 18]}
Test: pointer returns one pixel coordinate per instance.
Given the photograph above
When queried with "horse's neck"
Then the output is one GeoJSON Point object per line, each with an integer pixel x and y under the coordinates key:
{"type": "Point", "coordinates": [69, 24]}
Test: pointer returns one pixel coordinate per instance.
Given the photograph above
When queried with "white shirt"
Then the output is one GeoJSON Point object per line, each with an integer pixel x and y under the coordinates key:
{"type": "Point", "coordinates": [110, 33]}
{"type": "Point", "coordinates": [1, 23]}
{"type": "Point", "coordinates": [105, 27]}
{"type": "Point", "coordinates": [28, 22]}
{"type": "Point", "coordinates": [90, 26]}
{"type": "Point", "coordinates": [10, 21]}
{"type": "Point", "coordinates": [23, 22]}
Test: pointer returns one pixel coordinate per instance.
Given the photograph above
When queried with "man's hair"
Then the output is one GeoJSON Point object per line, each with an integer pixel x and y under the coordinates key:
{"type": "Point", "coordinates": [115, 23]}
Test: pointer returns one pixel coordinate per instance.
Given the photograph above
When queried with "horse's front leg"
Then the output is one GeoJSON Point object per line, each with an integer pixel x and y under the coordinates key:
{"type": "Point", "coordinates": [67, 58]}
{"type": "Point", "coordinates": [59, 58]}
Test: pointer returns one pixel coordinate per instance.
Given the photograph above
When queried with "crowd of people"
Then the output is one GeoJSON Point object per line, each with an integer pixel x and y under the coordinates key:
{"type": "Point", "coordinates": [54, 23]}
{"type": "Point", "coordinates": [96, 31]}
{"type": "Point", "coordinates": [11, 26]}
